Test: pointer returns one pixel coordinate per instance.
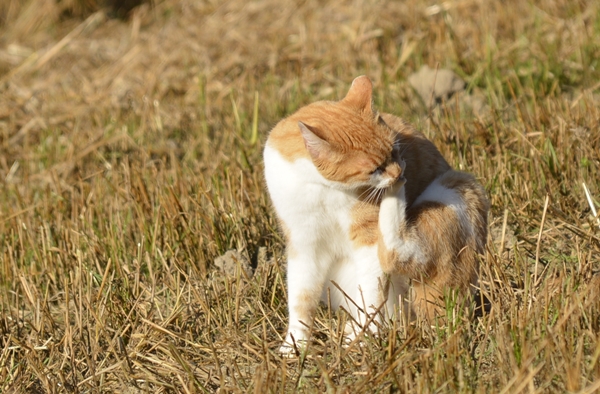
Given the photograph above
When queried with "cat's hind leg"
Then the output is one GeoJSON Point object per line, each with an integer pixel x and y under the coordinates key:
{"type": "Point", "coordinates": [370, 296]}
{"type": "Point", "coordinates": [436, 241]}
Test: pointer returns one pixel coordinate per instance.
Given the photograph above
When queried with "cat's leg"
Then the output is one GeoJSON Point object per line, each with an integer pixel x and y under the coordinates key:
{"type": "Point", "coordinates": [375, 295]}
{"type": "Point", "coordinates": [402, 250]}
{"type": "Point", "coordinates": [368, 293]}
{"type": "Point", "coordinates": [398, 242]}
{"type": "Point", "coordinates": [305, 279]}
{"type": "Point", "coordinates": [436, 241]}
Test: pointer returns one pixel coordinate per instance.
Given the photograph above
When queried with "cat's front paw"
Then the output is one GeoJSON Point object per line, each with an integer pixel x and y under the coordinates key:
{"type": "Point", "coordinates": [288, 350]}
{"type": "Point", "coordinates": [395, 187]}
{"type": "Point", "coordinates": [291, 350]}
{"type": "Point", "coordinates": [294, 343]}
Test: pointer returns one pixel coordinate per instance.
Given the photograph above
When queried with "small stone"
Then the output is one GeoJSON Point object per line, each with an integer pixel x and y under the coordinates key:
{"type": "Point", "coordinates": [443, 83]}
{"type": "Point", "coordinates": [476, 103]}
{"type": "Point", "coordinates": [231, 260]}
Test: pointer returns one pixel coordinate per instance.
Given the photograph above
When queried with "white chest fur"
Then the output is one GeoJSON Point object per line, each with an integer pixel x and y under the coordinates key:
{"type": "Point", "coordinates": [312, 210]}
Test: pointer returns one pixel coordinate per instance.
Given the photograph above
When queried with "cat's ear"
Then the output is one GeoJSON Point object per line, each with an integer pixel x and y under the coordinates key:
{"type": "Point", "coordinates": [360, 94]}
{"type": "Point", "coordinates": [315, 145]}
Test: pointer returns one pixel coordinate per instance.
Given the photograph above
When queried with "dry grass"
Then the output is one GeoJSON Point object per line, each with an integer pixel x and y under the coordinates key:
{"type": "Point", "coordinates": [129, 160]}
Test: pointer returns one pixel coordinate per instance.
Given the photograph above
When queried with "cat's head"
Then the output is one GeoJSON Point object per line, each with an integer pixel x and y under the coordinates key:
{"type": "Point", "coordinates": [349, 142]}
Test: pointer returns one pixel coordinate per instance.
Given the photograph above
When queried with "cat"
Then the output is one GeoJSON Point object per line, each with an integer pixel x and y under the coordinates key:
{"type": "Point", "coordinates": [361, 232]}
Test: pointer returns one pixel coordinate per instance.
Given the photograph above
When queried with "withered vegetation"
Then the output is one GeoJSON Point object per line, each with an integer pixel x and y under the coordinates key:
{"type": "Point", "coordinates": [130, 158]}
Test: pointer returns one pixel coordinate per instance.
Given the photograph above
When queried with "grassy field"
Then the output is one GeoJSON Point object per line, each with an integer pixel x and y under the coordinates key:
{"type": "Point", "coordinates": [130, 159]}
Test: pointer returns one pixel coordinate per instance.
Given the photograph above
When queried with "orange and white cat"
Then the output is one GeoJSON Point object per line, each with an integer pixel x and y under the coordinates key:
{"type": "Point", "coordinates": [368, 205]}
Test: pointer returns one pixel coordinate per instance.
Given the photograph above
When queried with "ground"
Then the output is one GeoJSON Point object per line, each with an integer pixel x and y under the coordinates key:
{"type": "Point", "coordinates": [130, 160]}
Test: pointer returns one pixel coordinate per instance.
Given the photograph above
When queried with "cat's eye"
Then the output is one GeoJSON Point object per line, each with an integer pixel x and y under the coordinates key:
{"type": "Point", "coordinates": [378, 170]}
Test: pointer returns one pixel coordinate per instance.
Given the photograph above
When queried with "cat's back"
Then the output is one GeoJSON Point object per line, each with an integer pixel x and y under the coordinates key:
{"type": "Point", "coordinates": [421, 156]}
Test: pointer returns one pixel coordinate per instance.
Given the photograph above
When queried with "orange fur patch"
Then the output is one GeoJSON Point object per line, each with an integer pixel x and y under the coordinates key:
{"type": "Point", "coordinates": [363, 230]}
{"type": "Point", "coordinates": [306, 306]}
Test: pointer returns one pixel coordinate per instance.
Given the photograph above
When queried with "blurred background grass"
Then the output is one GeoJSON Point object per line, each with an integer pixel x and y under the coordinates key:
{"type": "Point", "coordinates": [130, 158]}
